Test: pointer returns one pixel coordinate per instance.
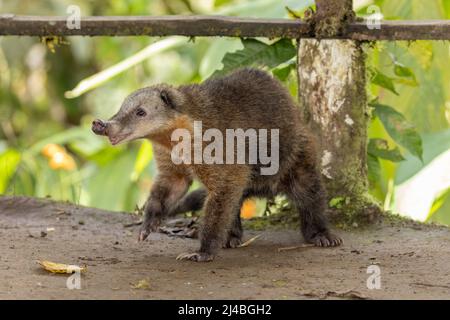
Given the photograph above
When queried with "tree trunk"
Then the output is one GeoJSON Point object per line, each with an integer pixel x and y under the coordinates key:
{"type": "Point", "coordinates": [332, 94]}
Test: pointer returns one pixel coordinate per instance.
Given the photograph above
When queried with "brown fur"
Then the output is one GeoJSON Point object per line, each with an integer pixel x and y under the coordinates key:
{"type": "Point", "coordinates": [247, 98]}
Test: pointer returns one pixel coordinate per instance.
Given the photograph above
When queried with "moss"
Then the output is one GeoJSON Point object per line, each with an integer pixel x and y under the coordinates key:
{"type": "Point", "coordinates": [355, 205]}
{"type": "Point", "coordinates": [52, 42]}
{"type": "Point", "coordinates": [285, 219]}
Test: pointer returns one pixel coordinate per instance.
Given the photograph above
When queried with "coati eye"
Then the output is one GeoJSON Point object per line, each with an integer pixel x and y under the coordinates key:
{"type": "Point", "coordinates": [140, 112]}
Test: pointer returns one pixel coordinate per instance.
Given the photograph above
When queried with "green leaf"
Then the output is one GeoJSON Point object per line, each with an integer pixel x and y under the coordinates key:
{"type": "Point", "coordinates": [400, 130]}
{"type": "Point", "coordinates": [407, 82]}
{"type": "Point", "coordinates": [434, 145]}
{"type": "Point", "coordinates": [9, 161]}
{"type": "Point", "coordinates": [402, 71]}
{"type": "Point", "coordinates": [212, 58]}
{"type": "Point", "coordinates": [144, 156]}
{"type": "Point", "coordinates": [438, 203]}
{"type": "Point", "coordinates": [257, 53]}
{"type": "Point", "coordinates": [384, 81]}
{"type": "Point", "coordinates": [407, 75]}
{"type": "Point", "coordinates": [374, 168]}
{"type": "Point", "coordinates": [283, 73]}
{"type": "Point", "coordinates": [379, 148]}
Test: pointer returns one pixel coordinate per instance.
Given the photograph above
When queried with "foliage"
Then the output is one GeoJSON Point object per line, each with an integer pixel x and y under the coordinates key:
{"type": "Point", "coordinates": [257, 53]}
{"type": "Point", "coordinates": [400, 130]}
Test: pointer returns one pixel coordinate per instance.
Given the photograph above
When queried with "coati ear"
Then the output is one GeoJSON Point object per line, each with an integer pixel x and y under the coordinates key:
{"type": "Point", "coordinates": [166, 98]}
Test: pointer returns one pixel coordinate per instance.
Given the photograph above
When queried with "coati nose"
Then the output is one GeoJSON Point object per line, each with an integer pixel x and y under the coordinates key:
{"type": "Point", "coordinates": [99, 127]}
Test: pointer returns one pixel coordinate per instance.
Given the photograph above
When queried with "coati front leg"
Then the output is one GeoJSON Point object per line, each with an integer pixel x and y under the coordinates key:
{"type": "Point", "coordinates": [308, 195]}
{"type": "Point", "coordinates": [166, 192]}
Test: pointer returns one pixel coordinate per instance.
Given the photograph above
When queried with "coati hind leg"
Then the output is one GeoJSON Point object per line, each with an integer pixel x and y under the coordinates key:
{"type": "Point", "coordinates": [234, 237]}
{"type": "Point", "coordinates": [219, 215]}
{"type": "Point", "coordinates": [220, 209]}
{"type": "Point", "coordinates": [193, 201]}
{"type": "Point", "coordinates": [306, 191]}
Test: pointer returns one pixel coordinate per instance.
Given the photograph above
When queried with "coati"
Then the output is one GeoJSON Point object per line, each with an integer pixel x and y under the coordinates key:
{"type": "Point", "coordinates": [247, 98]}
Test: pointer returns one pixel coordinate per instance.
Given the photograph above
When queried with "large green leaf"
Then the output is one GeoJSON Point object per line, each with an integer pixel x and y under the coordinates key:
{"type": "Point", "coordinates": [283, 72]}
{"type": "Point", "coordinates": [400, 130]}
{"type": "Point", "coordinates": [439, 202]}
{"type": "Point", "coordinates": [379, 148]}
{"type": "Point", "coordinates": [257, 53]}
{"type": "Point", "coordinates": [434, 145]}
{"type": "Point", "coordinates": [212, 58]}
{"type": "Point", "coordinates": [373, 166]}
{"type": "Point", "coordinates": [380, 79]}
{"type": "Point", "coordinates": [9, 161]}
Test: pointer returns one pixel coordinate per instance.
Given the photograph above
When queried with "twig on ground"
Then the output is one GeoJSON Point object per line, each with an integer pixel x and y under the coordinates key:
{"type": "Point", "coordinates": [249, 241]}
{"type": "Point", "coordinates": [303, 246]}
{"type": "Point", "coordinates": [430, 285]}
{"type": "Point", "coordinates": [132, 224]}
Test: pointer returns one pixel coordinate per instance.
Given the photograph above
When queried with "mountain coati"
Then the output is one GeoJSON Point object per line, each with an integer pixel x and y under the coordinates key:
{"type": "Point", "coordinates": [246, 99]}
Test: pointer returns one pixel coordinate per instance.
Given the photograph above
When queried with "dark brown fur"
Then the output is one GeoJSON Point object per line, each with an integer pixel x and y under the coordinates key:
{"type": "Point", "coordinates": [247, 98]}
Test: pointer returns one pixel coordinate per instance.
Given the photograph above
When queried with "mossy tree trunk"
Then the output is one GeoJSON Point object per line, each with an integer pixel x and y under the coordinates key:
{"type": "Point", "coordinates": [332, 95]}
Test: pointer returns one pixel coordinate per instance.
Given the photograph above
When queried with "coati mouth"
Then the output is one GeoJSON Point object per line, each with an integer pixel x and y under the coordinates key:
{"type": "Point", "coordinates": [117, 139]}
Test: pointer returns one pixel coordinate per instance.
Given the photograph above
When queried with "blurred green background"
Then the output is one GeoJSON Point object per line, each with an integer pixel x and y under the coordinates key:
{"type": "Point", "coordinates": [50, 92]}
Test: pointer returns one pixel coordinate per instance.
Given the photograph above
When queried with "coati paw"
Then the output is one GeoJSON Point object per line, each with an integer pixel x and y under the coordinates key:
{"type": "Point", "coordinates": [148, 226]}
{"type": "Point", "coordinates": [196, 256]}
{"type": "Point", "coordinates": [232, 242]}
{"type": "Point", "coordinates": [325, 239]}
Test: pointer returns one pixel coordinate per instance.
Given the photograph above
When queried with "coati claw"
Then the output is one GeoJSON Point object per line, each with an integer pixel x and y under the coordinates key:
{"type": "Point", "coordinates": [148, 226]}
{"type": "Point", "coordinates": [326, 240]}
{"type": "Point", "coordinates": [196, 256]}
{"type": "Point", "coordinates": [143, 234]}
{"type": "Point", "coordinates": [233, 242]}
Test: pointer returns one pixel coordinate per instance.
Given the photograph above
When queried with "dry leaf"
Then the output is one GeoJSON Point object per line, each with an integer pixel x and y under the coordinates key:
{"type": "Point", "coordinates": [142, 284]}
{"type": "Point", "coordinates": [349, 294]}
{"type": "Point", "coordinates": [60, 267]}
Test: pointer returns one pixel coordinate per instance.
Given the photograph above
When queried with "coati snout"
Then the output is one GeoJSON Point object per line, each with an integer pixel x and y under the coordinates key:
{"type": "Point", "coordinates": [143, 114]}
{"type": "Point", "coordinates": [99, 127]}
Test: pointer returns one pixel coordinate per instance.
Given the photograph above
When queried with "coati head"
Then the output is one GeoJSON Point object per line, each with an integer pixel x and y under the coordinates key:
{"type": "Point", "coordinates": [145, 113]}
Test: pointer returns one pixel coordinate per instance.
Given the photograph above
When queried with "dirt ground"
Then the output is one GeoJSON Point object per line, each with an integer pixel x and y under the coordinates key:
{"type": "Point", "coordinates": [413, 260]}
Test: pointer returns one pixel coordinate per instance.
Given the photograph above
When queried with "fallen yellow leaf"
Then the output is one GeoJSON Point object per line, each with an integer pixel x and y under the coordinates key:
{"type": "Point", "coordinates": [60, 267]}
{"type": "Point", "coordinates": [142, 284]}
